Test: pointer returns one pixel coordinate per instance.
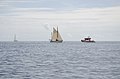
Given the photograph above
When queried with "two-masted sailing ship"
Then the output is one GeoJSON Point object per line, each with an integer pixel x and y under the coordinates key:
{"type": "Point", "coordinates": [55, 36]}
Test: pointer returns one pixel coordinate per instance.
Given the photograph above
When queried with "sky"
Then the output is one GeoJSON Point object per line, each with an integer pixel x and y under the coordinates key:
{"type": "Point", "coordinates": [33, 20]}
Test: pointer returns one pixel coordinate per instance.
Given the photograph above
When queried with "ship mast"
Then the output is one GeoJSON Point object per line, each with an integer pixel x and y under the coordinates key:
{"type": "Point", "coordinates": [57, 32]}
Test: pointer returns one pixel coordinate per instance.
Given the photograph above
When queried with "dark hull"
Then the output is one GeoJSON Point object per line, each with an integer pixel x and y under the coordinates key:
{"type": "Point", "coordinates": [88, 41]}
{"type": "Point", "coordinates": [56, 41]}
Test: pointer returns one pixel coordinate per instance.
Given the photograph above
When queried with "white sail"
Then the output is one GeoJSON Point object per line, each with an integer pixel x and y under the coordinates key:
{"type": "Point", "coordinates": [59, 37]}
{"type": "Point", "coordinates": [56, 35]}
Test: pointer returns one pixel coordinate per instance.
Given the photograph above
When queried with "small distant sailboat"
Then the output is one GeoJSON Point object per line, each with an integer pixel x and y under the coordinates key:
{"type": "Point", "coordinates": [55, 36]}
{"type": "Point", "coordinates": [88, 39]}
{"type": "Point", "coordinates": [15, 40]}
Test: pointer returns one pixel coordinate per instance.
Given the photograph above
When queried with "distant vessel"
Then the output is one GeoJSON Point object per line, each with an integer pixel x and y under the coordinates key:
{"type": "Point", "coordinates": [15, 40]}
{"type": "Point", "coordinates": [88, 39]}
{"type": "Point", "coordinates": [55, 36]}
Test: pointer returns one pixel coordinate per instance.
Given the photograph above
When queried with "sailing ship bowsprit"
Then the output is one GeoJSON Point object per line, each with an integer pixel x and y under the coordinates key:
{"type": "Point", "coordinates": [55, 36]}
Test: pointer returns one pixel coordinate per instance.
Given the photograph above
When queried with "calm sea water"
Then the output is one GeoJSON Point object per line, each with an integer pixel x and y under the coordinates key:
{"type": "Point", "coordinates": [67, 60]}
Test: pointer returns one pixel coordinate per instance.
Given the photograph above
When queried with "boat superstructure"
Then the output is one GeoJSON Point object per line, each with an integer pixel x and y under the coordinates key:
{"type": "Point", "coordinates": [88, 39]}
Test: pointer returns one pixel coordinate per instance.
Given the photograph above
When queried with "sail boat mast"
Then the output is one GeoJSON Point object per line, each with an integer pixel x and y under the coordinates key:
{"type": "Point", "coordinates": [57, 32]}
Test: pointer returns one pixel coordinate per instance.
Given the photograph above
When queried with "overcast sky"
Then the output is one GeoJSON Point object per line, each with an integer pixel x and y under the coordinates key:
{"type": "Point", "coordinates": [32, 20]}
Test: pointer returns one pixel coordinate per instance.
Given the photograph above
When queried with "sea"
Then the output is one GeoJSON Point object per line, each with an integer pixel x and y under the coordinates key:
{"type": "Point", "coordinates": [67, 60]}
